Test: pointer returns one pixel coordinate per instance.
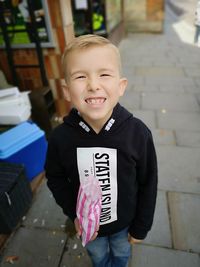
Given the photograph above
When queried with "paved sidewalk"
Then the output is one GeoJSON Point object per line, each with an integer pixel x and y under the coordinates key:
{"type": "Point", "coordinates": [164, 91]}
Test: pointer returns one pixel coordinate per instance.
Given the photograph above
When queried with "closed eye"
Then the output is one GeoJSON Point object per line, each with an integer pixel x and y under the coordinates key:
{"type": "Point", "coordinates": [105, 75]}
{"type": "Point", "coordinates": [80, 77]}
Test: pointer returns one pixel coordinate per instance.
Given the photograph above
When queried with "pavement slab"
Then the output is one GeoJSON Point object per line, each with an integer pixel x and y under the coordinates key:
{"type": "Point", "coordinates": [148, 117]}
{"type": "Point", "coordinates": [145, 88]}
{"type": "Point", "coordinates": [192, 71]}
{"type": "Point", "coordinates": [198, 96]}
{"type": "Point", "coordinates": [179, 168]}
{"type": "Point", "coordinates": [75, 255]}
{"type": "Point", "coordinates": [189, 121]}
{"type": "Point", "coordinates": [192, 89]}
{"type": "Point", "coordinates": [134, 81]}
{"type": "Point", "coordinates": [159, 71]}
{"type": "Point", "coordinates": [40, 215]}
{"type": "Point", "coordinates": [160, 234]}
{"type": "Point", "coordinates": [170, 101]}
{"type": "Point", "coordinates": [131, 100]}
{"type": "Point", "coordinates": [162, 257]}
{"type": "Point", "coordinates": [173, 89]}
{"type": "Point", "coordinates": [35, 248]}
{"type": "Point", "coordinates": [172, 81]}
{"type": "Point", "coordinates": [189, 59]}
{"type": "Point", "coordinates": [185, 232]}
{"type": "Point", "coordinates": [163, 137]}
{"type": "Point", "coordinates": [197, 81]}
{"type": "Point", "coordinates": [165, 63]}
{"type": "Point", "coordinates": [188, 138]}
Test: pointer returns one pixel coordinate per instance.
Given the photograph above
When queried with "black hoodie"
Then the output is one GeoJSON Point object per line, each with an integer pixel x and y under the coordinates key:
{"type": "Point", "coordinates": [121, 156]}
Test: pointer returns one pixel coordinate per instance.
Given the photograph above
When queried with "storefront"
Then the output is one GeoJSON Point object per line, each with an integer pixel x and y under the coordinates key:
{"type": "Point", "coordinates": [98, 17]}
{"type": "Point", "coordinates": [34, 66]}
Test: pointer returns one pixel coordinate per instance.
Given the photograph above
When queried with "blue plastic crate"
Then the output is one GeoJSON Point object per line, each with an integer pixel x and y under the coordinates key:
{"type": "Point", "coordinates": [24, 144]}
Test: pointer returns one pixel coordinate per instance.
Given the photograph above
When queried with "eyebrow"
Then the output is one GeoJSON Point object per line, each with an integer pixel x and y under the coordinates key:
{"type": "Point", "coordinates": [106, 69]}
{"type": "Point", "coordinates": [100, 70]}
{"type": "Point", "coordinates": [77, 72]}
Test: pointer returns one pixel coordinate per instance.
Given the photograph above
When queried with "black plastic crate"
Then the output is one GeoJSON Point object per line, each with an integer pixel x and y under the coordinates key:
{"type": "Point", "coordinates": [15, 196]}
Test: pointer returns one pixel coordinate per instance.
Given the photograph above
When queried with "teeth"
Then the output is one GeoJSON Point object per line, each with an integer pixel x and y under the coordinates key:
{"type": "Point", "coordinates": [95, 100]}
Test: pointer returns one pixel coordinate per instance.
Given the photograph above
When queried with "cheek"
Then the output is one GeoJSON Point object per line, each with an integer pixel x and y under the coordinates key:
{"type": "Point", "coordinates": [114, 88]}
{"type": "Point", "coordinates": [76, 92]}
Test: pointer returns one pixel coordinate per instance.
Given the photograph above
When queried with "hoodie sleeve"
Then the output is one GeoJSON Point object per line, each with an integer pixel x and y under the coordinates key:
{"type": "Point", "coordinates": [147, 190]}
{"type": "Point", "coordinates": [58, 182]}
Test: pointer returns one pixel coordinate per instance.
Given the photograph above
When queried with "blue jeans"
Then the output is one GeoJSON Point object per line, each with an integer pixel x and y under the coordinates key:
{"type": "Point", "coordinates": [110, 251]}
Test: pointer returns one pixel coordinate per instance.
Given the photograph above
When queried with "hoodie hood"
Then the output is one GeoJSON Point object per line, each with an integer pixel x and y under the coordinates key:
{"type": "Point", "coordinates": [119, 116]}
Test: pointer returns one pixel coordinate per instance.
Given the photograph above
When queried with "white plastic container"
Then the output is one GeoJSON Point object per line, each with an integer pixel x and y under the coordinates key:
{"type": "Point", "coordinates": [12, 115]}
{"type": "Point", "coordinates": [14, 91]}
{"type": "Point", "coordinates": [21, 99]}
{"type": "Point", "coordinates": [15, 106]}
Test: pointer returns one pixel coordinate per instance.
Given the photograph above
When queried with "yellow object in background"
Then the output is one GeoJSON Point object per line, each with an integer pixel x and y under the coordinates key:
{"type": "Point", "coordinates": [97, 21]}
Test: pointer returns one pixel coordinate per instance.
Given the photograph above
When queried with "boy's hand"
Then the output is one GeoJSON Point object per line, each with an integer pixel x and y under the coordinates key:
{"type": "Point", "coordinates": [94, 235]}
{"type": "Point", "coordinates": [77, 227]}
{"type": "Point", "coordinates": [133, 240]}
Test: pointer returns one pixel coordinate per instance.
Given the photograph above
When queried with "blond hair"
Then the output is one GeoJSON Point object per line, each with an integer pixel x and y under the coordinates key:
{"type": "Point", "coordinates": [84, 42]}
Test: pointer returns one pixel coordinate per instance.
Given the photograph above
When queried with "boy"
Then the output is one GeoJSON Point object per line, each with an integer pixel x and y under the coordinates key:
{"type": "Point", "coordinates": [101, 138]}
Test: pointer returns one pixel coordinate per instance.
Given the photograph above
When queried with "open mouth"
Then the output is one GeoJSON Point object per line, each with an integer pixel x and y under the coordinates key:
{"type": "Point", "coordinates": [95, 101]}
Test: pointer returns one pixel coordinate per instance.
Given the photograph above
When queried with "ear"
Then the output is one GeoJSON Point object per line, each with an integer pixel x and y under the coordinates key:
{"type": "Point", "coordinates": [66, 93]}
{"type": "Point", "coordinates": [123, 84]}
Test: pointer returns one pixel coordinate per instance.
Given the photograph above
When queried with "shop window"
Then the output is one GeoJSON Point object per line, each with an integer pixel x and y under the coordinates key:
{"type": "Point", "coordinates": [89, 17]}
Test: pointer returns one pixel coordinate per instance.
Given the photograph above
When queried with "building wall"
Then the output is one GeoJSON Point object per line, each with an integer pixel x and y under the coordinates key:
{"type": "Point", "coordinates": [114, 20]}
{"type": "Point", "coordinates": [143, 15]}
{"type": "Point", "coordinates": [63, 33]}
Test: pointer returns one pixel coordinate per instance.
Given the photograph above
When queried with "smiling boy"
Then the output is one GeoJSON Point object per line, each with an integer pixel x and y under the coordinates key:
{"type": "Point", "coordinates": [100, 138]}
{"type": "Point", "coordinates": [93, 82]}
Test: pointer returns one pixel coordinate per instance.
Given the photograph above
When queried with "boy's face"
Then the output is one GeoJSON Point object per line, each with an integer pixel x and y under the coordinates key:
{"type": "Point", "coordinates": [93, 83]}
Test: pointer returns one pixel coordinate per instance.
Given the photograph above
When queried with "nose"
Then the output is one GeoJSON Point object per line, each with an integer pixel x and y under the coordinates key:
{"type": "Point", "coordinates": [93, 84]}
